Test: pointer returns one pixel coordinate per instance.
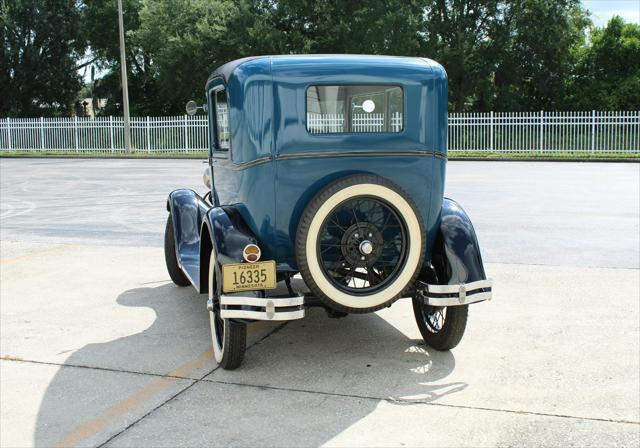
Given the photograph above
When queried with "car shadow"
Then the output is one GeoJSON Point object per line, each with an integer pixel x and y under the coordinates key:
{"type": "Point", "coordinates": [363, 355]}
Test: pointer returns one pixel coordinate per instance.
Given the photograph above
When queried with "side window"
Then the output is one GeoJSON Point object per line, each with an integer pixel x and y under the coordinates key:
{"type": "Point", "coordinates": [223, 139]}
{"type": "Point", "coordinates": [354, 108]}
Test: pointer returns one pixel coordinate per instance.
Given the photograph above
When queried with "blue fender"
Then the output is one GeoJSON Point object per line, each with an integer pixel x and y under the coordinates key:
{"type": "Point", "coordinates": [199, 228]}
{"type": "Point", "coordinates": [226, 232]}
{"type": "Point", "coordinates": [188, 210]}
{"type": "Point", "coordinates": [229, 234]}
{"type": "Point", "coordinates": [456, 253]}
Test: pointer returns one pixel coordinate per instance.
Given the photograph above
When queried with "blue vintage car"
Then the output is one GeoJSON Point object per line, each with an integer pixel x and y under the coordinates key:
{"type": "Point", "coordinates": [331, 167]}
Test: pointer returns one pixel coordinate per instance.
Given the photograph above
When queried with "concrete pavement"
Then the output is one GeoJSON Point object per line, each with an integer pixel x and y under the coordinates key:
{"type": "Point", "coordinates": [98, 347]}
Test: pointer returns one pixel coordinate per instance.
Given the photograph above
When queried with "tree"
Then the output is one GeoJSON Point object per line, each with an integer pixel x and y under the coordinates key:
{"type": "Point", "coordinates": [608, 74]}
{"type": "Point", "coordinates": [185, 41]}
{"type": "Point", "coordinates": [100, 28]}
{"type": "Point", "coordinates": [41, 46]}
{"type": "Point", "coordinates": [464, 36]}
{"type": "Point", "coordinates": [340, 26]}
{"type": "Point", "coordinates": [534, 66]}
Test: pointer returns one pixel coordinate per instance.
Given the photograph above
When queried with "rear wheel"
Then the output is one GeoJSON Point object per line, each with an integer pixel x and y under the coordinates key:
{"type": "Point", "coordinates": [229, 338]}
{"type": "Point", "coordinates": [360, 244]}
{"type": "Point", "coordinates": [171, 256]}
{"type": "Point", "coordinates": [441, 327]}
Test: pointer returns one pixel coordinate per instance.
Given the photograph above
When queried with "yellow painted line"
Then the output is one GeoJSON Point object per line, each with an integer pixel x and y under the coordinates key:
{"type": "Point", "coordinates": [137, 399]}
{"type": "Point", "coordinates": [34, 254]}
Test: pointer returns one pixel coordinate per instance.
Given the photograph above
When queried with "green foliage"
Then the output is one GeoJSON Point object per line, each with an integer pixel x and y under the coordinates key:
{"type": "Point", "coordinates": [608, 74]}
{"type": "Point", "coordinates": [343, 26]}
{"type": "Point", "coordinates": [516, 55]}
{"type": "Point", "coordinates": [463, 35]}
{"type": "Point", "coordinates": [182, 38]}
{"type": "Point", "coordinates": [536, 63]}
{"type": "Point", "coordinates": [100, 28]}
{"type": "Point", "coordinates": [41, 44]}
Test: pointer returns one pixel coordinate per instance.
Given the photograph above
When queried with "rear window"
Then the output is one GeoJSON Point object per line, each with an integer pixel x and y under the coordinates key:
{"type": "Point", "coordinates": [354, 108]}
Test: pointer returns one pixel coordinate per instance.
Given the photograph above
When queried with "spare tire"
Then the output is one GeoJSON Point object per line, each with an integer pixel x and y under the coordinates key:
{"type": "Point", "coordinates": [360, 244]}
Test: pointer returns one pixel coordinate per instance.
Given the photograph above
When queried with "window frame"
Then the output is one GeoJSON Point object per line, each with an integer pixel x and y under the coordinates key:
{"type": "Point", "coordinates": [348, 110]}
{"type": "Point", "coordinates": [216, 150]}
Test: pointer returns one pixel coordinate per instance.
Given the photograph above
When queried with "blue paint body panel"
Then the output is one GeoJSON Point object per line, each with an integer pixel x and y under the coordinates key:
{"type": "Point", "coordinates": [457, 253]}
{"type": "Point", "coordinates": [198, 228]}
{"type": "Point", "coordinates": [275, 166]}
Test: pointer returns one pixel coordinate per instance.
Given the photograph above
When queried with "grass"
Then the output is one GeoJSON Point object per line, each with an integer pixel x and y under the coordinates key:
{"type": "Point", "coordinates": [204, 154]}
{"type": "Point", "coordinates": [543, 156]}
{"type": "Point", "coordinates": [108, 154]}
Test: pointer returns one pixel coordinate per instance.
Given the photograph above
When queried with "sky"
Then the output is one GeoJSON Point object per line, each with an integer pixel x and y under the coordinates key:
{"type": "Point", "coordinates": [603, 10]}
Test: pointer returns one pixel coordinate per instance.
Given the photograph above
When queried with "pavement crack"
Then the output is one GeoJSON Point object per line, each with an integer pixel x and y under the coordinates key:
{"type": "Point", "coordinates": [180, 392]}
{"type": "Point", "coordinates": [423, 402]}
{"type": "Point", "coordinates": [105, 369]}
{"type": "Point", "coordinates": [132, 424]}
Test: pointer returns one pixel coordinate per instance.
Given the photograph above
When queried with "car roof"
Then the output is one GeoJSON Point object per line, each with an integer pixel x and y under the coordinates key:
{"type": "Point", "coordinates": [280, 63]}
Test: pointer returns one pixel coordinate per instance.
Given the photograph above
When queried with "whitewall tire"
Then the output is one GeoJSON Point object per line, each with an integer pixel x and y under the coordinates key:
{"type": "Point", "coordinates": [229, 338]}
{"type": "Point", "coordinates": [348, 252]}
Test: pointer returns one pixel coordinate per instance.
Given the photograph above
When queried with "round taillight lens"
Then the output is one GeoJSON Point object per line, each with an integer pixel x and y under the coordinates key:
{"type": "Point", "coordinates": [251, 253]}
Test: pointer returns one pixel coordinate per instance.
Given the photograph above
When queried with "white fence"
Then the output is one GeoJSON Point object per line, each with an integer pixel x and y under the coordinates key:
{"type": "Point", "coordinates": [333, 123]}
{"type": "Point", "coordinates": [544, 133]}
{"type": "Point", "coordinates": [104, 134]}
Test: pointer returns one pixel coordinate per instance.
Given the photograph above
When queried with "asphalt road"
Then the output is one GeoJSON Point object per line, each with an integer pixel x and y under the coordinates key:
{"type": "Point", "coordinates": [98, 347]}
{"type": "Point", "coordinates": [576, 214]}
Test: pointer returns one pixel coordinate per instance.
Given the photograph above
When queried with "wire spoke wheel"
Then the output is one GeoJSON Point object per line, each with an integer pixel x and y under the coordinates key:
{"type": "Point", "coordinates": [434, 317]}
{"type": "Point", "coordinates": [362, 245]}
{"type": "Point", "coordinates": [441, 327]}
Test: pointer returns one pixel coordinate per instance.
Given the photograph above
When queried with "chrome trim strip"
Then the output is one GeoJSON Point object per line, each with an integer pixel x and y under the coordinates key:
{"type": "Point", "coordinates": [225, 162]}
{"type": "Point", "coordinates": [455, 289]}
{"type": "Point", "coordinates": [455, 301]}
{"type": "Point", "coordinates": [441, 156]}
{"type": "Point", "coordinates": [229, 164]}
{"type": "Point", "coordinates": [323, 154]}
{"type": "Point", "coordinates": [261, 301]}
{"type": "Point", "coordinates": [261, 315]}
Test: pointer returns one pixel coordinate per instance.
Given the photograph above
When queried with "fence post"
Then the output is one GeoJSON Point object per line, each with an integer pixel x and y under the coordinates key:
{"type": "Point", "coordinates": [541, 130]}
{"type": "Point", "coordinates": [111, 131]}
{"type": "Point", "coordinates": [593, 131]}
{"type": "Point", "coordinates": [186, 134]}
{"type": "Point", "coordinates": [42, 133]}
{"type": "Point", "coordinates": [491, 131]}
{"type": "Point", "coordinates": [148, 135]}
{"type": "Point", "coordinates": [9, 134]}
{"type": "Point", "coordinates": [75, 128]}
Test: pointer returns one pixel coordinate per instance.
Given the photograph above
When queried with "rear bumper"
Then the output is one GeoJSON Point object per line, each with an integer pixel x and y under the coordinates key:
{"type": "Point", "coordinates": [259, 308]}
{"type": "Point", "coordinates": [455, 295]}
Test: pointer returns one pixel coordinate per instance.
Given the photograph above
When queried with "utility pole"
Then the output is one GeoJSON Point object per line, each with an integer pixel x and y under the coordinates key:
{"type": "Point", "coordinates": [125, 88]}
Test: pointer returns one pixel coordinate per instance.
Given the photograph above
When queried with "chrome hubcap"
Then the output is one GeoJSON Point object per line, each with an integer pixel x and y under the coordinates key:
{"type": "Point", "coordinates": [366, 247]}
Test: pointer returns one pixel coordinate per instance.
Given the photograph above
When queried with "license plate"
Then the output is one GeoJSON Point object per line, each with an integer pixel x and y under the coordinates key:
{"type": "Point", "coordinates": [249, 276]}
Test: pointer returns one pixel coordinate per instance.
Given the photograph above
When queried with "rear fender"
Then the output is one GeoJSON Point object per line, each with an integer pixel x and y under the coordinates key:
{"type": "Point", "coordinates": [456, 253]}
{"type": "Point", "coordinates": [187, 212]}
{"type": "Point", "coordinates": [228, 234]}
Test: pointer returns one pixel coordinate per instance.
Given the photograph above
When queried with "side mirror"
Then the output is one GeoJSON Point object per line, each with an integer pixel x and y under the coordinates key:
{"type": "Point", "coordinates": [206, 177]}
{"type": "Point", "coordinates": [192, 108]}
